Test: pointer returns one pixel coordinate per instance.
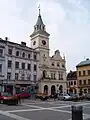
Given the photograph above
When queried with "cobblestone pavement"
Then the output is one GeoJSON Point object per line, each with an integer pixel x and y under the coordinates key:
{"type": "Point", "coordinates": [42, 110]}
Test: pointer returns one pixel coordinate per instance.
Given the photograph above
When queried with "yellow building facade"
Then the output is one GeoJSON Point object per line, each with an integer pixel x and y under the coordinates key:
{"type": "Point", "coordinates": [83, 76]}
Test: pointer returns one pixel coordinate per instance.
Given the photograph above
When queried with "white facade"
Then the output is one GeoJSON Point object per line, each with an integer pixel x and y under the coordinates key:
{"type": "Point", "coordinates": [52, 69]}
{"type": "Point", "coordinates": [19, 64]}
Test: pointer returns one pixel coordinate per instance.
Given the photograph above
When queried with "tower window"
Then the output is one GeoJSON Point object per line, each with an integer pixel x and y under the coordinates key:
{"type": "Point", "coordinates": [43, 27]}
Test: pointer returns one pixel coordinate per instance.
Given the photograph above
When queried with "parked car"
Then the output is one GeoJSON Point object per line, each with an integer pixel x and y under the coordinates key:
{"type": "Point", "coordinates": [42, 96]}
{"type": "Point", "coordinates": [88, 96]}
{"type": "Point", "coordinates": [23, 95]}
{"type": "Point", "coordinates": [74, 97]}
{"type": "Point", "coordinates": [7, 98]}
{"type": "Point", "coordinates": [63, 96]}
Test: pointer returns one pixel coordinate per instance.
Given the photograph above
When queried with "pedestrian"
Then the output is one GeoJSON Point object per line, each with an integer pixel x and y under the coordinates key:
{"type": "Point", "coordinates": [19, 100]}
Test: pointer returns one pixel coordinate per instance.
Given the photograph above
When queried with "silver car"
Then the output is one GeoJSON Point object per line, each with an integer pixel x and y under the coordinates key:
{"type": "Point", "coordinates": [63, 96]}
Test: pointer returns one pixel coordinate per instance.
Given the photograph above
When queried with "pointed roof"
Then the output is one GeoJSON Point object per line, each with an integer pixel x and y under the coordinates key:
{"type": "Point", "coordinates": [39, 21]}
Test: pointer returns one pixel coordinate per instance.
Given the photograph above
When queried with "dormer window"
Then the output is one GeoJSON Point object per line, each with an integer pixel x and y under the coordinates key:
{"type": "Point", "coordinates": [23, 54]}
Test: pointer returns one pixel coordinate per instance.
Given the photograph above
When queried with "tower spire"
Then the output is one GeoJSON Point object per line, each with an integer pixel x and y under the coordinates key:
{"type": "Point", "coordinates": [39, 9]}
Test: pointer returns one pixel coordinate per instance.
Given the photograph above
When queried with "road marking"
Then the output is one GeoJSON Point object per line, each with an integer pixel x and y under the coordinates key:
{"type": "Point", "coordinates": [15, 117]}
{"type": "Point", "coordinates": [34, 106]}
{"type": "Point", "coordinates": [25, 110]}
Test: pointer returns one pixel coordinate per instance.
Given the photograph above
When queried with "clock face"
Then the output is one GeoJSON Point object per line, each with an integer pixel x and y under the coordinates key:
{"type": "Point", "coordinates": [43, 42]}
{"type": "Point", "coordinates": [34, 42]}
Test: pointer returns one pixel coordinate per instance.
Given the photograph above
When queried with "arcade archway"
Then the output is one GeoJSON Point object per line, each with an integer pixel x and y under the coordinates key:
{"type": "Point", "coordinates": [46, 89]}
{"type": "Point", "coordinates": [53, 90]}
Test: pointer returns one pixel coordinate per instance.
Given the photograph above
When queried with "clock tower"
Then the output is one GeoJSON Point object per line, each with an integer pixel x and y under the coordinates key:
{"type": "Point", "coordinates": [40, 40]}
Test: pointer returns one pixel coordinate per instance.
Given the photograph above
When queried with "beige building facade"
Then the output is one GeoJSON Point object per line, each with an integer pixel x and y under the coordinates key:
{"type": "Point", "coordinates": [52, 70]}
{"type": "Point", "coordinates": [83, 76]}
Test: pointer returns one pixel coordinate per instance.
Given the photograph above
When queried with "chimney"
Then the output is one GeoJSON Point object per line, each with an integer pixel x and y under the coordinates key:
{"type": "Point", "coordinates": [87, 59]}
{"type": "Point", "coordinates": [6, 38]}
{"type": "Point", "coordinates": [23, 43]}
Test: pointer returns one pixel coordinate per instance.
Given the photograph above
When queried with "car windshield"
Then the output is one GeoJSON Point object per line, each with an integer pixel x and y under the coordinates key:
{"type": "Point", "coordinates": [6, 94]}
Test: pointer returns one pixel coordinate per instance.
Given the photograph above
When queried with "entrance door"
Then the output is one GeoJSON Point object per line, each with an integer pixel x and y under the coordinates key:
{"type": "Point", "coordinates": [53, 90]}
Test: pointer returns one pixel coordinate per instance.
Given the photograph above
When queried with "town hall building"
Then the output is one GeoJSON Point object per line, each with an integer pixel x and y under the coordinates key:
{"type": "Point", "coordinates": [52, 70]}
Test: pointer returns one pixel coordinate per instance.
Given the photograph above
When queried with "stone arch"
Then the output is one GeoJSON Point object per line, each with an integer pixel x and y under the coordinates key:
{"type": "Point", "coordinates": [61, 89]}
{"type": "Point", "coordinates": [53, 90]}
{"type": "Point", "coordinates": [46, 89]}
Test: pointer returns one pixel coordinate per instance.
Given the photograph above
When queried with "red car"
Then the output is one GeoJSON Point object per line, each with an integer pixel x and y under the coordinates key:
{"type": "Point", "coordinates": [7, 98]}
{"type": "Point", "coordinates": [23, 95]}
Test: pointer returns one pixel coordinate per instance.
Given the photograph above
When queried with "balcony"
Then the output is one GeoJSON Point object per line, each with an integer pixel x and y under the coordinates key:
{"type": "Point", "coordinates": [84, 85]}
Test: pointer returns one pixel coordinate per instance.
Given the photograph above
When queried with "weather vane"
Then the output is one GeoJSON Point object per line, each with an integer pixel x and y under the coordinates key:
{"type": "Point", "coordinates": [39, 9]}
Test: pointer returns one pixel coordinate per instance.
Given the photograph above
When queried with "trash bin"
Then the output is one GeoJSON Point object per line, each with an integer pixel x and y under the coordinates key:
{"type": "Point", "coordinates": [77, 113]}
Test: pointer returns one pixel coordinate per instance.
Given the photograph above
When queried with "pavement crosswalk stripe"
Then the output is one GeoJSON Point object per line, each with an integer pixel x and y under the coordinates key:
{"type": "Point", "coordinates": [15, 117]}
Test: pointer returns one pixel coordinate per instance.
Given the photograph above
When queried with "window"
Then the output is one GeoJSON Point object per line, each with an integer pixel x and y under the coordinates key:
{"type": "Point", "coordinates": [8, 75]}
{"type": "Point", "coordinates": [16, 65]}
{"type": "Point", "coordinates": [58, 65]}
{"type": "Point", "coordinates": [52, 64]}
{"type": "Point", "coordinates": [51, 75]}
{"type": "Point", "coordinates": [84, 73]}
{"type": "Point", "coordinates": [35, 67]}
{"type": "Point", "coordinates": [74, 82]}
{"type": "Point", "coordinates": [71, 83]}
{"type": "Point", "coordinates": [17, 53]}
{"type": "Point", "coordinates": [10, 51]}
{"type": "Point", "coordinates": [88, 81]}
{"type": "Point", "coordinates": [34, 78]}
{"type": "Point", "coordinates": [59, 77]}
{"type": "Point", "coordinates": [54, 76]}
{"type": "Point", "coordinates": [9, 63]}
{"type": "Point", "coordinates": [35, 56]}
{"type": "Point", "coordinates": [84, 82]}
{"type": "Point", "coordinates": [0, 67]}
{"type": "Point", "coordinates": [23, 65]}
{"type": "Point", "coordinates": [16, 76]}
{"type": "Point", "coordinates": [22, 77]}
{"type": "Point", "coordinates": [80, 82]}
{"type": "Point", "coordinates": [79, 73]}
{"type": "Point", "coordinates": [29, 55]}
{"type": "Point", "coordinates": [23, 54]}
{"type": "Point", "coordinates": [85, 90]}
{"type": "Point", "coordinates": [29, 66]}
{"type": "Point", "coordinates": [1, 52]}
{"type": "Point", "coordinates": [88, 72]}
{"type": "Point", "coordinates": [28, 77]}
{"type": "Point", "coordinates": [88, 90]}
{"type": "Point", "coordinates": [63, 65]}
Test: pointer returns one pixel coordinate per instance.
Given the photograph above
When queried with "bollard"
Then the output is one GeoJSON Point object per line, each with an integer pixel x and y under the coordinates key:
{"type": "Point", "coordinates": [77, 113]}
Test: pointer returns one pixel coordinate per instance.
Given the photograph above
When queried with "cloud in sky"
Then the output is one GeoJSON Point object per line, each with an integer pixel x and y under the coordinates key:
{"type": "Point", "coordinates": [67, 21]}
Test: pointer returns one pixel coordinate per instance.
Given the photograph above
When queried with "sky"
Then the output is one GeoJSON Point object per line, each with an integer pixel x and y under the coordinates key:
{"type": "Point", "coordinates": [67, 21]}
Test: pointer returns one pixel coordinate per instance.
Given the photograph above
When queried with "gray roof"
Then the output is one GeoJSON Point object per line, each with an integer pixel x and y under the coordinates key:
{"type": "Point", "coordinates": [84, 63]}
{"type": "Point", "coordinates": [39, 21]}
{"type": "Point", "coordinates": [39, 32]}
